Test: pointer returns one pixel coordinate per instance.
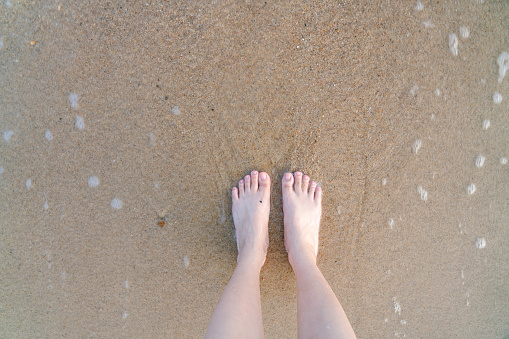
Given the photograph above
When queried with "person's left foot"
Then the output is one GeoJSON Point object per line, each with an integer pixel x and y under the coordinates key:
{"type": "Point", "coordinates": [250, 208]}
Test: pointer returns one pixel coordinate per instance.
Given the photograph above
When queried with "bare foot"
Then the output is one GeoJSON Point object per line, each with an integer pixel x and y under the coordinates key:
{"type": "Point", "coordinates": [250, 208]}
{"type": "Point", "coordinates": [302, 207]}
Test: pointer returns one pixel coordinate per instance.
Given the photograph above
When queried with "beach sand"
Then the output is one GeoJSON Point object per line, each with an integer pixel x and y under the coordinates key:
{"type": "Point", "coordinates": [118, 115]}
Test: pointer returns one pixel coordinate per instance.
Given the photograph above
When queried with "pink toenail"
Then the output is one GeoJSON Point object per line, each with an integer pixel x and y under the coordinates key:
{"type": "Point", "coordinates": [263, 175]}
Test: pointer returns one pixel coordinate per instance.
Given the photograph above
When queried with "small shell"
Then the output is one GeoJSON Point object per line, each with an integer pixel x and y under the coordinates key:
{"type": "Point", "coordinates": [160, 223]}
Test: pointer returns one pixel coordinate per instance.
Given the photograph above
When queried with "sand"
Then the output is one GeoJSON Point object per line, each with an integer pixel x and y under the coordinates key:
{"type": "Point", "coordinates": [116, 116]}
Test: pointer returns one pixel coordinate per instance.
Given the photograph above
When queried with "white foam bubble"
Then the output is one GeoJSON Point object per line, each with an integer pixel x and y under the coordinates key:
{"type": "Point", "coordinates": [93, 181]}
{"type": "Point", "coordinates": [73, 99]}
{"type": "Point", "coordinates": [503, 65]}
{"type": "Point", "coordinates": [175, 110]}
{"type": "Point", "coordinates": [186, 261]}
{"type": "Point", "coordinates": [8, 135]}
{"type": "Point", "coordinates": [397, 306]}
{"type": "Point", "coordinates": [486, 124]}
{"type": "Point", "coordinates": [453, 44]}
{"type": "Point", "coordinates": [480, 243]}
{"type": "Point", "coordinates": [80, 123]}
{"type": "Point", "coordinates": [471, 189]}
{"type": "Point", "coordinates": [479, 162]}
{"type": "Point", "coordinates": [423, 193]}
{"type": "Point", "coordinates": [48, 135]}
{"type": "Point", "coordinates": [497, 98]}
{"type": "Point", "coordinates": [464, 32]}
{"type": "Point", "coordinates": [503, 160]}
{"type": "Point", "coordinates": [413, 90]}
{"type": "Point", "coordinates": [428, 24]}
{"type": "Point", "coordinates": [116, 203]}
{"type": "Point", "coordinates": [419, 6]}
{"type": "Point", "coordinates": [390, 222]}
{"type": "Point", "coordinates": [29, 184]}
{"type": "Point", "coordinates": [417, 146]}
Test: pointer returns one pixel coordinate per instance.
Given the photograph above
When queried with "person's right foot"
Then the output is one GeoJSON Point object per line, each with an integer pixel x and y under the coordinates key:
{"type": "Point", "coordinates": [302, 208]}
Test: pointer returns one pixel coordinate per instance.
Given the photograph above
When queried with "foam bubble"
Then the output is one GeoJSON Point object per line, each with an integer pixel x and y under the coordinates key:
{"type": "Point", "coordinates": [413, 90]}
{"type": "Point", "coordinates": [419, 6]}
{"type": "Point", "coordinates": [497, 98]}
{"type": "Point", "coordinates": [29, 184]}
{"type": "Point", "coordinates": [479, 162]}
{"type": "Point", "coordinates": [8, 135]}
{"type": "Point", "coordinates": [48, 135]}
{"type": "Point", "coordinates": [480, 243]}
{"type": "Point", "coordinates": [397, 306]}
{"type": "Point", "coordinates": [453, 44]}
{"type": "Point", "coordinates": [73, 99]}
{"type": "Point", "coordinates": [417, 146]}
{"type": "Point", "coordinates": [175, 110]}
{"type": "Point", "coordinates": [80, 123]}
{"type": "Point", "coordinates": [93, 181]}
{"type": "Point", "coordinates": [503, 161]}
{"type": "Point", "coordinates": [116, 203]}
{"type": "Point", "coordinates": [390, 222]}
{"type": "Point", "coordinates": [464, 32]}
{"type": "Point", "coordinates": [423, 193]}
{"type": "Point", "coordinates": [503, 65]}
{"type": "Point", "coordinates": [428, 24]}
{"type": "Point", "coordinates": [486, 124]}
{"type": "Point", "coordinates": [471, 189]}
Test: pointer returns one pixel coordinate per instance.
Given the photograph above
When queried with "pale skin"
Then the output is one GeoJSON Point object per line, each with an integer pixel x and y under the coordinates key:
{"type": "Point", "coordinates": [238, 313]}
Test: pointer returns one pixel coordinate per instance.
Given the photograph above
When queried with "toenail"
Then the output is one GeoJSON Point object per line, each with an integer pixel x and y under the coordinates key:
{"type": "Point", "coordinates": [288, 176]}
{"type": "Point", "coordinates": [254, 173]}
{"type": "Point", "coordinates": [298, 173]}
{"type": "Point", "coordinates": [263, 175]}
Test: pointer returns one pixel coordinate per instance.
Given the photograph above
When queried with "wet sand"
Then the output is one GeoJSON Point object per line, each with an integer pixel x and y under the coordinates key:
{"type": "Point", "coordinates": [170, 104]}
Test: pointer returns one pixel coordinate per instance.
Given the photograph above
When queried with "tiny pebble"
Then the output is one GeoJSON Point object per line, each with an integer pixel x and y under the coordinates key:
{"type": "Point", "coordinates": [486, 124]}
{"type": "Point", "coordinates": [503, 161]}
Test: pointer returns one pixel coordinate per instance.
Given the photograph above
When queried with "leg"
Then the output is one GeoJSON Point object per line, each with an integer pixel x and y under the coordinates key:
{"type": "Point", "coordinates": [319, 312]}
{"type": "Point", "coordinates": [239, 312]}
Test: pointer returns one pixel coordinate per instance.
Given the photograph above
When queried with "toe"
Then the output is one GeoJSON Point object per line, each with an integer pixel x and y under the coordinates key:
{"type": "Point", "coordinates": [254, 181]}
{"type": "Point", "coordinates": [287, 182]}
{"type": "Point", "coordinates": [298, 181]}
{"type": "Point", "coordinates": [305, 183]}
{"type": "Point", "coordinates": [263, 181]}
{"type": "Point", "coordinates": [318, 195]}
{"type": "Point", "coordinates": [235, 194]}
{"type": "Point", "coordinates": [312, 187]}
{"type": "Point", "coordinates": [247, 183]}
{"type": "Point", "coordinates": [241, 188]}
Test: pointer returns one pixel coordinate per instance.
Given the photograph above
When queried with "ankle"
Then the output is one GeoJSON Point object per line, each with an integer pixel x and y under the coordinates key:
{"type": "Point", "coordinates": [302, 260]}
